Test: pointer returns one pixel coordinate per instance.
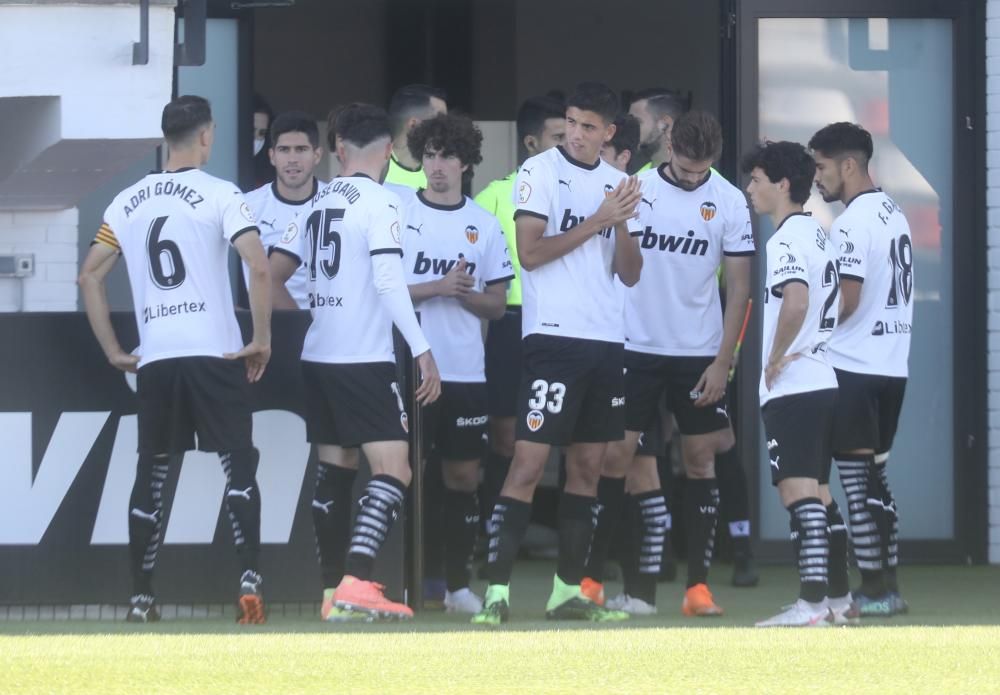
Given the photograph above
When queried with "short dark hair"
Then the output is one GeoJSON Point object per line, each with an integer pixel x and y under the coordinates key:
{"type": "Point", "coordinates": [783, 160]}
{"type": "Point", "coordinates": [662, 101]}
{"type": "Point", "coordinates": [450, 134]}
{"type": "Point", "coordinates": [408, 100]}
{"type": "Point", "coordinates": [260, 105]}
{"type": "Point", "coordinates": [596, 97]}
{"type": "Point", "coordinates": [358, 124]}
{"type": "Point", "coordinates": [838, 139]}
{"type": "Point", "coordinates": [697, 135]}
{"type": "Point", "coordinates": [183, 116]}
{"type": "Point", "coordinates": [626, 134]}
{"type": "Point", "coordinates": [295, 122]}
{"type": "Point", "coordinates": [534, 112]}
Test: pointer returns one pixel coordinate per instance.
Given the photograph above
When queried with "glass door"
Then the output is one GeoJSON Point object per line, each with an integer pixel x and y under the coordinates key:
{"type": "Point", "coordinates": [896, 69]}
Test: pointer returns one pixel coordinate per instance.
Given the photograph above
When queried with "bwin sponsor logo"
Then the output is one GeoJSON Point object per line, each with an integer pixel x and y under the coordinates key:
{"type": "Point", "coordinates": [686, 244]}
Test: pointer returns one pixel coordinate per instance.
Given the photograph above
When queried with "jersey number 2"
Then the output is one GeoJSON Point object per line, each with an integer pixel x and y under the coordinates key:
{"type": "Point", "coordinates": [832, 280]}
{"type": "Point", "coordinates": [325, 239]}
{"type": "Point", "coordinates": [166, 266]}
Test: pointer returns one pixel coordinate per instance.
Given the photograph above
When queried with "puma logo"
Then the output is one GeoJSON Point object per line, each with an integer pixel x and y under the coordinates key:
{"type": "Point", "coordinates": [526, 170]}
{"type": "Point", "coordinates": [269, 224]}
{"type": "Point", "coordinates": [566, 184]}
{"type": "Point", "coordinates": [416, 229]}
{"type": "Point", "coordinates": [394, 207]}
{"type": "Point", "coordinates": [324, 506]}
{"type": "Point", "coordinates": [648, 202]}
{"type": "Point", "coordinates": [151, 518]}
{"type": "Point", "coordinates": [245, 494]}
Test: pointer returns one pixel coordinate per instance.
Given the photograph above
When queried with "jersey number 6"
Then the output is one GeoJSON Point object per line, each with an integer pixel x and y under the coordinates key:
{"type": "Point", "coordinates": [166, 267]}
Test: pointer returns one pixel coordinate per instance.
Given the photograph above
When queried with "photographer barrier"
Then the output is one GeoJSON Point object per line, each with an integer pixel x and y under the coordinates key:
{"type": "Point", "coordinates": [67, 464]}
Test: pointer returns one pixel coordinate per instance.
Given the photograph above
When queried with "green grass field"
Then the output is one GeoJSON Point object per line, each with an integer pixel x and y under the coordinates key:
{"type": "Point", "coordinates": [950, 642]}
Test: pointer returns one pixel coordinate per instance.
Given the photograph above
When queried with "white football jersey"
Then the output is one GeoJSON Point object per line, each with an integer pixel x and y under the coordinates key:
{"type": "Point", "coordinates": [675, 309]}
{"type": "Point", "coordinates": [576, 295]}
{"type": "Point", "coordinates": [435, 238]}
{"type": "Point", "coordinates": [174, 230]}
{"type": "Point", "coordinates": [274, 214]}
{"type": "Point", "coordinates": [799, 251]}
{"type": "Point", "coordinates": [350, 219]}
{"type": "Point", "coordinates": [873, 243]}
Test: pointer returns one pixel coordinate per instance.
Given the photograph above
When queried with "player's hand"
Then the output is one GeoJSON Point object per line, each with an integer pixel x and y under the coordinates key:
{"type": "Point", "coordinates": [619, 205]}
{"type": "Point", "coordinates": [256, 355]}
{"type": "Point", "coordinates": [457, 282]}
{"type": "Point", "coordinates": [124, 361]}
{"type": "Point", "coordinates": [773, 369]}
{"type": "Point", "coordinates": [430, 379]}
{"type": "Point", "coordinates": [712, 384]}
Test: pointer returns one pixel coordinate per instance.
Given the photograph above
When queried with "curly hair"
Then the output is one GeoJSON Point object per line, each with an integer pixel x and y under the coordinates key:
{"type": "Point", "coordinates": [783, 160]}
{"type": "Point", "coordinates": [450, 134]}
{"type": "Point", "coordinates": [697, 135]}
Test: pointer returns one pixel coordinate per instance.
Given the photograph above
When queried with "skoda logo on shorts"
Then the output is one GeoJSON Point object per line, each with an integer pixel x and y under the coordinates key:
{"type": "Point", "coordinates": [535, 420]}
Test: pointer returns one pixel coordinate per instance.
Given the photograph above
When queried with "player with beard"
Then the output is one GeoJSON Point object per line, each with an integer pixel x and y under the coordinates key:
{"type": "Point", "coordinates": [295, 155]}
{"type": "Point", "coordinates": [869, 352]}
{"type": "Point", "coordinates": [656, 109]}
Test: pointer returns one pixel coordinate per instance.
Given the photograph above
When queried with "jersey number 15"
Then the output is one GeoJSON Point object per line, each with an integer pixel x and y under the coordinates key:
{"type": "Point", "coordinates": [325, 239]}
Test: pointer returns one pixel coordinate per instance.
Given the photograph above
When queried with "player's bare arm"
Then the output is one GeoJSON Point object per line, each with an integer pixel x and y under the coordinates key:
{"type": "Point", "coordinates": [257, 352]}
{"type": "Point", "coordinates": [713, 382]}
{"type": "Point", "coordinates": [794, 307]}
{"type": "Point", "coordinates": [456, 283]}
{"type": "Point", "coordinates": [534, 249]}
{"type": "Point", "coordinates": [489, 304]}
{"type": "Point", "coordinates": [282, 268]}
{"type": "Point", "coordinates": [628, 257]}
{"type": "Point", "coordinates": [99, 262]}
{"type": "Point", "coordinates": [850, 298]}
{"type": "Point", "coordinates": [430, 379]}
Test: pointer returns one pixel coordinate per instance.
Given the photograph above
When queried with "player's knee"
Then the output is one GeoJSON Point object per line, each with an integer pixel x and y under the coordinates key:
{"type": "Point", "coordinates": [643, 475]}
{"type": "Point", "coordinates": [525, 473]}
{"type": "Point", "coordinates": [461, 476]}
{"type": "Point", "coordinates": [700, 467]}
{"type": "Point", "coordinates": [617, 459]}
{"type": "Point", "coordinates": [582, 476]}
{"type": "Point", "coordinates": [502, 436]}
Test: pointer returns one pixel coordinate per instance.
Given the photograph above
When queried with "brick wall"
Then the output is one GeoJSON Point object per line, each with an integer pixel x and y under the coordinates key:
{"type": "Point", "coordinates": [52, 237]}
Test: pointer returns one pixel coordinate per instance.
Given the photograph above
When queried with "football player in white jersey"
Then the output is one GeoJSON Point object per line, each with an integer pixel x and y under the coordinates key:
{"type": "Point", "coordinates": [798, 389]}
{"type": "Point", "coordinates": [656, 109]}
{"type": "Point", "coordinates": [619, 152]}
{"type": "Point", "coordinates": [680, 343]}
{"type": "Point", "coordinates": [869, 351]}
{"type": "Point", "coordinates": [457, 267]}
{"type": "Point", "coordinates": [575, 226]}
{"type": "Point", "coordinates": [350, 240]}
{"type": "Point", "coordinates": [541, 125]}
{"type": "Point", "coordinates": [295, 154]}
{"type": "Point", "coordinates": [174, 228]}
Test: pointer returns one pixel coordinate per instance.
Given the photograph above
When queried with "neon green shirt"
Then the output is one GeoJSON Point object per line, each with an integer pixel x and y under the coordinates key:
{"type": "Point", "coordinates": [498, 200]}
{"type": "Point", "coordinates": [405, 177]}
